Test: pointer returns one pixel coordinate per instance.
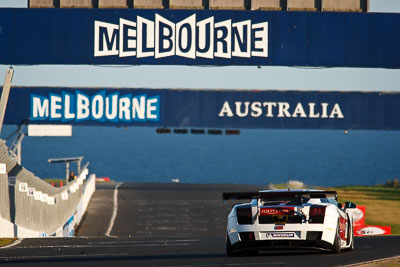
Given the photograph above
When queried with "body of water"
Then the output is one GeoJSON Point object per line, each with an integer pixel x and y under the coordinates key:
{"type": "Point", "coordinates": [316, 157]}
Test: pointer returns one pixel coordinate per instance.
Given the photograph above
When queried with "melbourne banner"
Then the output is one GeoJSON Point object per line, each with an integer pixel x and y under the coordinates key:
{"type": "Point", "coordinates": [204, 108]}
{"type": "Point", "coordinates": [201, 37]}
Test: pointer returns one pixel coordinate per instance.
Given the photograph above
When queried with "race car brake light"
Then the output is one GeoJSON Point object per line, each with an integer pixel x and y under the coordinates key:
{"type": "Point", "coordinates": [244, 215]}
{"type": "Point", "coordinates": [317, 214]}
{"type": "Point", "coordinates": [317, 210]}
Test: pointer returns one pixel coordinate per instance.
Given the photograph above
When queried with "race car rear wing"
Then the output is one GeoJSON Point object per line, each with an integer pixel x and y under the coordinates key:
{"type": "Point", "coordinates": [283, 194]}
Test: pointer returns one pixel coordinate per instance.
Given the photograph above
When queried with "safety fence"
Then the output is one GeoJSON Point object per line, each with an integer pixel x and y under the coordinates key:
{"type": "Point", "coordinates": [30, 207]}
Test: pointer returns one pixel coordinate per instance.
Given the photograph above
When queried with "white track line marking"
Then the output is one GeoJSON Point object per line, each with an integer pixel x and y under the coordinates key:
{"type": "Point", "coordinates": [115, 209]}
{"type": "Point", "coordinates": [38, 257]}
{"type": "Point", "coordinates": [232, 264]}
{"type": "Point", "coordinates": [373, 261]}
{"type": "Point", "coordinates": [106, 245]}
{"type": "Point", "coordinates": [149, 241]}
{"type": "Point", "coordinates": [16, 242]}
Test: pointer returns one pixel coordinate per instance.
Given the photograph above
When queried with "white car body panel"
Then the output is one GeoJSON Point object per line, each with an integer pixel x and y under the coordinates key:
{"type": "Point", "coordinates": [298, 225]}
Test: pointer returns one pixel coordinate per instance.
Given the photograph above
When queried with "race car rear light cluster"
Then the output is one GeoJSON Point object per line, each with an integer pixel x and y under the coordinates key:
{"type": "Point", "coordinates": [317, 214]}
{"type": "Point", "coordinates": [244, 215]}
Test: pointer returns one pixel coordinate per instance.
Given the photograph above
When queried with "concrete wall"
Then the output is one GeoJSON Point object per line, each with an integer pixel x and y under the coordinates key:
{"type": "Point", "coordinates": [4, 198]}
{"type": "Point", "coordinates": [33, 208]}
{"type": "Point", "coordinates": [290, 5]}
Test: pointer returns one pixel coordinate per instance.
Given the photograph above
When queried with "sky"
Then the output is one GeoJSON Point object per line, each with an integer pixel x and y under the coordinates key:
{"type": "Point", "coordinates": [231, 77]}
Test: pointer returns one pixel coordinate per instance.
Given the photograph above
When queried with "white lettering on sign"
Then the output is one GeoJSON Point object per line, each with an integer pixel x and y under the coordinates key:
{"type": "Point", "coordinates": [100, 107]}
{"type": "Point", "coordinates": [37, 195]}
{"type": "Point", "coordinates": [23, 187]}
{"type": "Point", "coordinates": [44, 197]}
{"type": "Point", "coordinates": [371, 230]}
{"type": "Point", "coordinates": [280, 235]}
{"type": "Point", "coordinates": [280, 110]}
{"type": "Point", "coordinates": [188, 38]}
{"type": "Point", "coordinates": [51, 200]}
{"type": "Point", "coordinates": [72, 188]}
{"type": "Point", "coordinates": [30, 192]}
{"type": "Point", "coordinates": [64, 195]}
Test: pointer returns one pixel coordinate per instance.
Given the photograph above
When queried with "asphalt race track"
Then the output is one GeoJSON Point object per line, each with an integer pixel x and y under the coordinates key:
{"type": "Point", "coordinates": [169, 225]}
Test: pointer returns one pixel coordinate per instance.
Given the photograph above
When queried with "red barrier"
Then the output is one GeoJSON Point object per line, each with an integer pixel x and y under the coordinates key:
{"type": "Point", "coordinates": [360, 229]}
{"type": "Point", "coordinates": [373, 230]}
{"type": "Point", "coordinates": [103, 179]}
{"type": "Point", "coordinates": [359, 217]}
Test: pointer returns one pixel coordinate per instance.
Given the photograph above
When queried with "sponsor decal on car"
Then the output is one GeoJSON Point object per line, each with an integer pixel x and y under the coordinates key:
{"type": "Point", "coordinates": [277, 211]}
{"type": "Point", "coordinates": [343, 227]}
{"type": "Point", "coordinates": [280, 235]}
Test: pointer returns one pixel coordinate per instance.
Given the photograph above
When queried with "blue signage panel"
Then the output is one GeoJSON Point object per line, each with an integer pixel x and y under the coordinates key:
{"type": "Point", "coordinates": [201, 37]}
{"type": "Point", "coordinates": [204, 108]}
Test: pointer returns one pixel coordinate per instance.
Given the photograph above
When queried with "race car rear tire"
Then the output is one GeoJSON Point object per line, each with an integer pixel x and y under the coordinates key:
{"type": "Point", "coordinates": [352, 243]}
{"type": "Point", "coordinates": [336, 244]}
{"type": "Point", "coordinates": [351, 247]}
{"type": "Point", "coordinates": [229, 249]}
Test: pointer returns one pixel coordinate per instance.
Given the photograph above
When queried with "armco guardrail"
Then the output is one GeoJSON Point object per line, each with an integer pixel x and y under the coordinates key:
{"type": "Point", "coordinates": [31, 207]}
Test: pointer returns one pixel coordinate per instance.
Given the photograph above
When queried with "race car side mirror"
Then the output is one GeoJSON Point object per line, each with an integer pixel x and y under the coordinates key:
{"type": "Point", "coordinates": [350, 205]}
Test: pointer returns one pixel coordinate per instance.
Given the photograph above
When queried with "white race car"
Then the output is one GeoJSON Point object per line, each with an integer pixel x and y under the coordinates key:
{"type": "Point", "coordinates": [282, 219]}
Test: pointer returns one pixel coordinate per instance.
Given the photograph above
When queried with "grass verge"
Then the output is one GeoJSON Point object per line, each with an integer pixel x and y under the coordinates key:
{"type": "Point", "coordinates": [6, 241]}
{"type": "Point", "coordinates": [382, 204]}
{"type": "Point", "coordinates": [383, 263]}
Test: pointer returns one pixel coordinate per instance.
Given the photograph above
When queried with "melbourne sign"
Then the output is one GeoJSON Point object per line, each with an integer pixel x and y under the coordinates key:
{"type": "Point", "coordinates": [198, 37]}
{"type": "Point", "coordinates": [204, 108]}
{"type": "Point", "coordinates": [188, 38]}
{"type": "Point", "coordinates": [66, 107]}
